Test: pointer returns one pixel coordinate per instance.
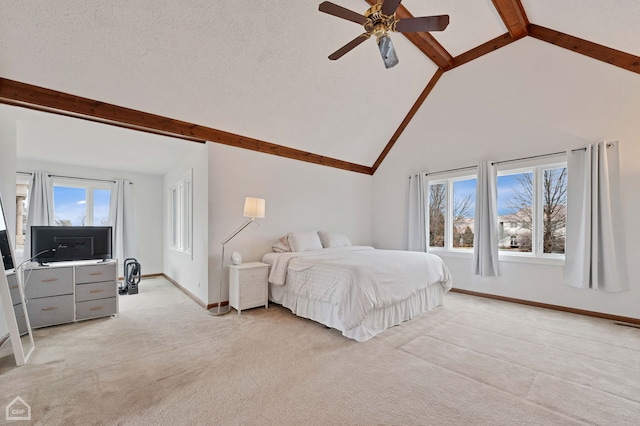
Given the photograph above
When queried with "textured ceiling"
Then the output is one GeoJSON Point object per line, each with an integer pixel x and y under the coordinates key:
{"type": "Point", "coordinates": [259, 68]}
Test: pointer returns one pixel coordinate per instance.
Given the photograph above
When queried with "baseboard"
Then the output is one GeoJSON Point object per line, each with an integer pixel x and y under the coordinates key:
{"type": "Point", "coordinates": [144, 276]}
{"type": "Point", "coordinates": [191, 295]}
{"type": "Point", "coordinates": [549, 306]}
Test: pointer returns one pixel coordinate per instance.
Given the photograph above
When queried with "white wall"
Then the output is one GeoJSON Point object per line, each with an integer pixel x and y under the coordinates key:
{"type": "Point", "coordinates": [299, 196]}
{"type": "Point", "coordinates": [190, 271]}
{"type": "Point", "coordinates": [147, 209]}
{"type": "Point", "coordinates": [8, 147]}
{"type": "Point", "coordinates": [526, 99]}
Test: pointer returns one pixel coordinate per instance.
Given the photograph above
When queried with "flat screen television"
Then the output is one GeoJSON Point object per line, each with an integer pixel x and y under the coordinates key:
{"type": "Point", "coordinates": [68, 243]}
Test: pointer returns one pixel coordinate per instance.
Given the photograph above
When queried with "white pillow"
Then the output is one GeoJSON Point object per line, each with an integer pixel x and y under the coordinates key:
{"type": "Point", "coordinates": [334, 239]}
{"type": "Point", "coordinates": [304, 241]}
{"type": "Point", "coordinates": [281, 246]}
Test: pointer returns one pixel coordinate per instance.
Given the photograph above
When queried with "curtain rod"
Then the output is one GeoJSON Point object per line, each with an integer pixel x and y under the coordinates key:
{"type": "Point", "coordinates": [608, 145]}
{"type": "Point", "coordinates": [451, 170]}
{"type": "Point", "coordinates": [80, 178]}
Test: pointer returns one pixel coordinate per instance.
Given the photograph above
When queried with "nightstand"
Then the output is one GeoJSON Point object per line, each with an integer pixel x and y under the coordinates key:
{"type": "Point", "coordinates": [248, 285]}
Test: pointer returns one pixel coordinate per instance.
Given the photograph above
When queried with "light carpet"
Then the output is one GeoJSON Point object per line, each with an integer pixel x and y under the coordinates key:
{"type": "Point", "coordinates": [166, 361]}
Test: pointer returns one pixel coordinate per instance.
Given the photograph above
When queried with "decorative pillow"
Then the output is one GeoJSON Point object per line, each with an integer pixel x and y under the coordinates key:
{"type": "Point", "coordinates": [304, 241]}
{"type": "Point", "coordinates": [334, 239]}
{"type": "Point", "coordinates": [281, 246]}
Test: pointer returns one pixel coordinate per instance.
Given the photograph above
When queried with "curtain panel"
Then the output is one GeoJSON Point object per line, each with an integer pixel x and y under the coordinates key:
{"type": "Point", "coordinates": [485, 239]}
{"type": "Point", "coordinates": [40, 212]}
{"type": "Point", "coordinates": [121, 217]}
{"type": "Point", "coordinates": [417, 220]}
{"type": "Point", "coordinates": [595, 241]}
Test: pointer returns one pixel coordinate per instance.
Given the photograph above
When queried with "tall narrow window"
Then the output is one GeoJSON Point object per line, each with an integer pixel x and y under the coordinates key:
{"type": "Point", "coordinates": [437, 214]}
{"type": "Point", "coordinates": [451, 213]}
{"type": "Point", "coordinates": [181, 209]}
{"type": "Point", "coordinates": [464, 209]}
{"type": "Point", "coordinates": [515, 211]}
{"type": "Point", "coordinates": [22, 209]}
{"type": "Point", "coordinates": [554, 209]}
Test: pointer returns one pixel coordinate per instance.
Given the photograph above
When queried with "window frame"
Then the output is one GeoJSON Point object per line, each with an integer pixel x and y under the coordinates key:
{"type": "Point", "coordinates": [181, 214]}
{"type": "Point", "coordinates": [537, 255]}
{"type": "Point", "coordinates": [448, 180]}
{"type": "Point", "coordinates": [89, 186]}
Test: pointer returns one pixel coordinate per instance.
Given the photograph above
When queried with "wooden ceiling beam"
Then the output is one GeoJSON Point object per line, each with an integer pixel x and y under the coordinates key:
{"type": "Point", "coordinates": [593, 50]}
{"type": "Point", "coordinates": [39, 98]}
{"type": "Point", "coordinates": [513, 16]}
{"type": "Point", "coordinates": [424, 41]}
{"type": "Point", "coordinates": [482, 50]}
{"type": "Point", "coordinates": [414, 109]}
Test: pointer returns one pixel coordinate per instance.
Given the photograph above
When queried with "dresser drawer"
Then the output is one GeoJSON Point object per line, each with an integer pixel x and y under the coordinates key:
{"type": "Point", "coordinates": [50, 310]}
{"type": "Point", "coordinates": [253, 275]}
{"type": "Point", "coordinates": [95, 308]}
{"type": "Point", "coordinates": [48, 282]}
{"type": "Point", "coordinates": [13, 289]}
{"type": "Point", "coordinates": [94, 291]}
{"type": "Point", "coordinates": [95, 273]}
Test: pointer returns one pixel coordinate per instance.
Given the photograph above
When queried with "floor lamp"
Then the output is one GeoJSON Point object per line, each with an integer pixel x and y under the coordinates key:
{"type": "Point", "coordinates": [254, 208]}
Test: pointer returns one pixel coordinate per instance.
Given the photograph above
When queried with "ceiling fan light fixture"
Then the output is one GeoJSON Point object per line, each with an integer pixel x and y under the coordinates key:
{"type": "Point", "coordinates": [387, 51]}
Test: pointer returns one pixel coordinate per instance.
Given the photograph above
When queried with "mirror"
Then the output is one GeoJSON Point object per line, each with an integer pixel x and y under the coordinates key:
{"type": "Point", "coordinates": [12, 298]}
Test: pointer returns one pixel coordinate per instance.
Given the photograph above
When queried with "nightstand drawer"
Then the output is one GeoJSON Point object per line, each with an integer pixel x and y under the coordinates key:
{"type": "Point", "coordinates": [48, 282]}
{"type": "Point", "coordinates": [253, 275]}
{"type": "Point", "coordinates": [94, 291]}
{"type": "Point", "coordinates": [95, 308]}
{"type": "Point", "coordinates": [50, 310]}
{"type": "Point", "coordinates": [95, 273]}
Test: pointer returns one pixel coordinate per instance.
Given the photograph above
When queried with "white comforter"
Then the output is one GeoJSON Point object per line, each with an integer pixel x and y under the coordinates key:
{"type": "Point", "coordinates": [358, 279]}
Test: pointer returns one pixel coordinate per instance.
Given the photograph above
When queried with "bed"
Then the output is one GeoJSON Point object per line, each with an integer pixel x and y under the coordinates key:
{"type": "Point", "coordinates": [358, 290]}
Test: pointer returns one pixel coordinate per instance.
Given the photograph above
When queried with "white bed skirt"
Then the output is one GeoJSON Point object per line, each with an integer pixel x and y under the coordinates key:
{"type": "Point", "coordinates": [378, 320]}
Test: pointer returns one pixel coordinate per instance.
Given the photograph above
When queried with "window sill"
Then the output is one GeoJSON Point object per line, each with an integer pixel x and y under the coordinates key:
{"type": "Point", "coordinates": [540, 260]}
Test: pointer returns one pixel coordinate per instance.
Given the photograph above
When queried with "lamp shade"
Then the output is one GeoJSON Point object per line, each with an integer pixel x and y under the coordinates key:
{"type": "Point", "coordinates": [254, 207]}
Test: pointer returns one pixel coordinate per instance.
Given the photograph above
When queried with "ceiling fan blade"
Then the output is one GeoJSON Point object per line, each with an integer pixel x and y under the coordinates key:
{"type": "Point", "coordinates": [347, 47]}
{"type": "Point", "coordinates": [341, 12]}
{"type": "Point", "coordinates": [389, 7]}
{"type": "Point", "coordinates": [423, 24]}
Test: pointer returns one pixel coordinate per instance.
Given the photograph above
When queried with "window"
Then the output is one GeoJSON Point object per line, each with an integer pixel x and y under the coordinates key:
{"type": "Point", "coordinates": [181, 209]}
{"type": "Point", "coordinates": [532, 210]}
{"type": "Point", "coordinates": [81, 204]}
{"type": "Point", "coordinates": [452, 212]}
{"type": "Point", "coordinates": [22, 207]}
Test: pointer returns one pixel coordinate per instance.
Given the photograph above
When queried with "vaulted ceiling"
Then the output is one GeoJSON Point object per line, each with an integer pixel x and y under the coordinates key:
{"type": "Point", "coordinates": [255, 73]}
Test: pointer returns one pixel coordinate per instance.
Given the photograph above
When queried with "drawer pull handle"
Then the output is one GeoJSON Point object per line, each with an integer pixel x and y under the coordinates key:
{"type": "Point", "coordinates": [50, 308]}
{"type": "Point", "coordinates": [49, 280]}
{"type": "Point", "coordinates": [95, 273]}
{"type": "Point", "coordinates": [13, 286]}
{"type": "Point", "coordinates": [96, 308]}
{"type": "Point", "coordinates": [97, 291]}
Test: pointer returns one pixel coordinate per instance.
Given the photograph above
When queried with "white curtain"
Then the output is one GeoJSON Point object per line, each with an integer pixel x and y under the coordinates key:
{"type": "Point", "coordinates": [595, 242]}
{"type": "Point", "coordinates": [416, 214]}
{"type": "Point", "coordinates": [122, 220]}
{"type": "Point", "coordinates": [485, 238]}
{"type": "Point", "coordinates": [40, 211]}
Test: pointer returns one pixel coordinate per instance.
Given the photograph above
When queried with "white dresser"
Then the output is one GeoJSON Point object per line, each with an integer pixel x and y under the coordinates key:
{"type": "Point", "coordinates": [70, 291]}
{"type": "Point", "coordinates": [248, 285]}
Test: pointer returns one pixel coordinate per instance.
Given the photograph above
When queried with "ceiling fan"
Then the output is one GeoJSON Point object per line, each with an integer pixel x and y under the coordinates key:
{"type": "Point", "coordinates": [379, 20]}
